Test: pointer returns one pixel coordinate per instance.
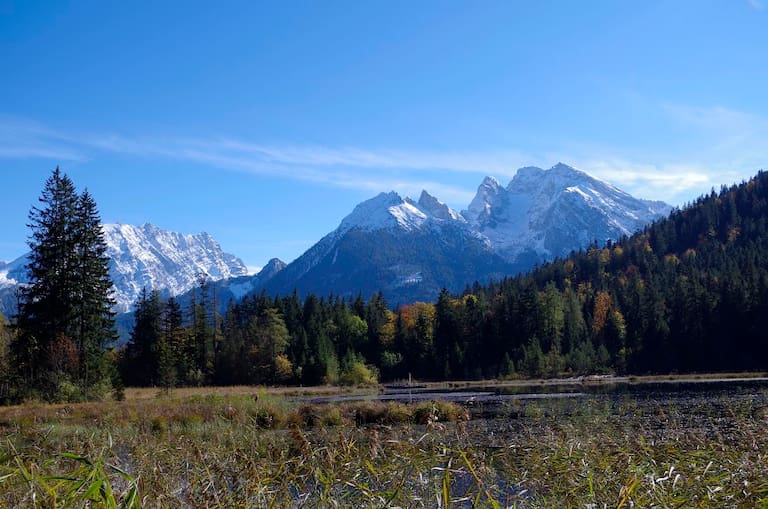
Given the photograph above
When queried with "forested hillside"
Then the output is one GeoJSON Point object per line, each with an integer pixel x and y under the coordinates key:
{"type": "Point", "coordinates": [688, 293]}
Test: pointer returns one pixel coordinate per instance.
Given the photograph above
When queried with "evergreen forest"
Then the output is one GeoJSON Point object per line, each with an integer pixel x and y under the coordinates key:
{"type": "Point", "coordinates": [689, 293]}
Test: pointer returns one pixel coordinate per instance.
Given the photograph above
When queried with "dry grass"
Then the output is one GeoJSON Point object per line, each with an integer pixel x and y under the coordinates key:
{"type": "Point", "coordinates": [235, 451]}
{"type": "Point", "coordinates": [144, 393]}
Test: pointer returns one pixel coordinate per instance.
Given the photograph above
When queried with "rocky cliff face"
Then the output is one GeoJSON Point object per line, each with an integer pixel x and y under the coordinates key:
{"type": "Point", "coordinates": [546, 213]}
{"type": "Point", "coordinates": [147, 256]}
{"type": "Point", "coordinates": [410, 250]}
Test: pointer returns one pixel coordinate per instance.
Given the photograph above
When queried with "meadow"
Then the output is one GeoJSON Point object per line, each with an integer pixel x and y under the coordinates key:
{"type": "Point", "coordinates": [253, 447]}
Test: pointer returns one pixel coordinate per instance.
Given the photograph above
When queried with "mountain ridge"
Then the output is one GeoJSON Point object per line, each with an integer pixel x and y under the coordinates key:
{"type": "Point", "coordinates": [146, 256]}
{"type": "Point", "coordinates": [407, 249]}
{"type": "Point", "coordinates": [539, 215]}
{"type": "Point", "coordinates": [548, 213]}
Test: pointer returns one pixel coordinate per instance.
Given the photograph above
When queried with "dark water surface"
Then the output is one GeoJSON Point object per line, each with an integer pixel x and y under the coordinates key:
{"type": "Point", "coordinates": [488, 400]}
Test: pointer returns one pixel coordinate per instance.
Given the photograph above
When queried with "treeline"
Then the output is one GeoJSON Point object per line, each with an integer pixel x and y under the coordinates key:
{"type": "Point", "coordinates": [689, 293]}
{"type": "Point", "coordinates": [258, 340]}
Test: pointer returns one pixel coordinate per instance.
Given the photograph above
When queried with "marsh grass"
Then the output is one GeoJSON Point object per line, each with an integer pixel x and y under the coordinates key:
{"type": "Point", "coordinates": [214, 450]}
{"type": "Point", "coordinates": [145, 393]}
{"type": "Point", "coordinates": [86, 483]}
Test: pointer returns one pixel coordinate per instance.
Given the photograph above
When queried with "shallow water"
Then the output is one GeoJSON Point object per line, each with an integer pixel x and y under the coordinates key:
{"type": "Point", "coordinates": [509, 400]}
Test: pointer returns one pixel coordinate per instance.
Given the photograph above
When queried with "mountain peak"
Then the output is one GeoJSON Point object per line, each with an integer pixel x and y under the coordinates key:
{"type": "Point", "coordinates": [437, 209]}
{"type": "Point", "coordinates": [490, 182]}
{"type": "Point", "coordinates": [149, 227]}
{"type": "Point", "coordinates": [565, 171]}
{"type": "Point", "coordinates": [529, 172]}
{"type": "Point", "coordinates": [385, 210]}
{"type": "Point", "coordinates": [528, 177]}
{"type": "Point", "coordinates": [563, 168]}
{"type": "Point", "coordinates": [489, 192]}
{"type": "Point", "coordinates": [272, 267]}
{"type": "Point", "coordinates": [148, 256]}
{"type": "Point", "coordinates": [545, 213]}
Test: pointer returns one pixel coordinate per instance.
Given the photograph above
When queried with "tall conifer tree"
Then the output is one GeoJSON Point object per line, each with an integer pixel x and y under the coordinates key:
{"type": "Point", "coordinates": [93, 306]}
{"type": "Point", "coordinates": [64, 317]}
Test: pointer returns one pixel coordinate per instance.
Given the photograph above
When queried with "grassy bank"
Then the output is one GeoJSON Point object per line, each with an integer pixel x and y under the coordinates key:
{"type": "Point", "coordinates": [237, 450]}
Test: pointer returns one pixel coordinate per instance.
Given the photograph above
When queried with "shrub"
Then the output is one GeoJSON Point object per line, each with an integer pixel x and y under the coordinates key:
{"type": "Point", "coordinates": [332, 417]}
{"type": "Point", "coordinates": [68, 392]}
{"type": "Point", "coordinates": [359, 374]}
{"type": "Point", "coordinates": [368, 413]}
{"type": "Point", "coordinates": [268, 415]}
{"type": "Point", "coordinates": [283, 368]}
{"type": "Point", "coordinates": [439, 411]}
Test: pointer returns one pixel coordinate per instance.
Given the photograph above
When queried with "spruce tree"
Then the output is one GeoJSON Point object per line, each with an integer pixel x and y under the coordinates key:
{"type": "Point", "coordinates": [64, 318]}
{"type": "Point", "coordinates": [46, 304]}
{"type": "Point", "coordinates": [93, 306]}
{"type": "Point", "coordinates": [141, 366]}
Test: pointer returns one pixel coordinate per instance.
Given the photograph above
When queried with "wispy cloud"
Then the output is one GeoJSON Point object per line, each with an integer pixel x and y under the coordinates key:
{"type": "Point", "coordinates": [756, 4]}
{"type": "Point", "coordinates": [662, 181]}
{"type": "Point", "coordinates": [734, 143]}
{"type": "Point", "coordinates": [722, 146]}
{"type": "Point", "coordinates": [35, 151]}
{"type": "Point", "coordinates": [230, 151]}
{"type": "Point", "coordinates": [20, 139]}
{"type": "Point", "coordinates": [345, 167]}
{"type": "Point", "coordinates": [498, 162]}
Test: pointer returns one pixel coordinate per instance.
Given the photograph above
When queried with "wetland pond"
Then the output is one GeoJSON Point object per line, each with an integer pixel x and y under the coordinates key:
{"type": "Point", "coordinates": [507, 398]}
{"type": "Point", "coordinates": [589, 440]}
{"type": "Point", "coordinates": [593, 442]}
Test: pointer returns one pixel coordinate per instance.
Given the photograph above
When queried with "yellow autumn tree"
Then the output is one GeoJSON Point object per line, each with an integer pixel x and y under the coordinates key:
{"type": "Point", "coordinates": [602, 307]}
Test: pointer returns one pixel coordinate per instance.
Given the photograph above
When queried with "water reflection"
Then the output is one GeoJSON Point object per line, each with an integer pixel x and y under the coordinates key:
{"type": "Point", "coordinates": [612, 389]}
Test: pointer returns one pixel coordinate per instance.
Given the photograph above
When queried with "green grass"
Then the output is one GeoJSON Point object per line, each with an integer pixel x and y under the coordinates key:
{"type": "Point", "coordinates": [270, 451]}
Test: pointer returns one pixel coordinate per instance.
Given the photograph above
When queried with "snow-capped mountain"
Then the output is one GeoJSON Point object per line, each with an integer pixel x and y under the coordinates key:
{"type": "Point", "coordinates": [147, 256]}
{"type": "Point", "coordinates": [171, 262]}
{"type": "Point", "coordinates": [409, 250]}
{"type": "Point", "coordinates": [542, 214]}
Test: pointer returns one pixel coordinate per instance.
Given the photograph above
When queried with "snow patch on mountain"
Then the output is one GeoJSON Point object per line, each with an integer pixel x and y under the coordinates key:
{"type": "Point", "coordinates": [171, 262]}
{"type": "Point", "coordinates": [390, 210]}
{"type": "Point", "coordinates": [547, 213]}
{"type": "Point", "coordinates": [147, 256]}
{"type": "Point", "coordinates": [387, 210]}
{"type": "Point", "coordinates": [431, 206]}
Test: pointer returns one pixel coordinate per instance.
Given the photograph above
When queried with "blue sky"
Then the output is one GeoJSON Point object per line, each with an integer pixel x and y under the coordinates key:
{"type": "Point", "coordinates": [264, 123]}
